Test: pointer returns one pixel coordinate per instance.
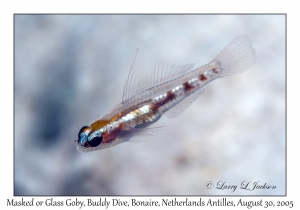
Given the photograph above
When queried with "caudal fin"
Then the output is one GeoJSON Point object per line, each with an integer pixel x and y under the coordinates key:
{"type": "Point", "coordinates": [236, 57]}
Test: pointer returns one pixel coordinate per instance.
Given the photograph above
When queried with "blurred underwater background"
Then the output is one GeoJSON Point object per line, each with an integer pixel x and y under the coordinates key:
{"type": "Point", "coordinates": [71, 70]}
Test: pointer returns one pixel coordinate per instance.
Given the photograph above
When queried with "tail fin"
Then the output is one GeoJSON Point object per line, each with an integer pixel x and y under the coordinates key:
{"type": "Point", "coordinates": [237, 56]}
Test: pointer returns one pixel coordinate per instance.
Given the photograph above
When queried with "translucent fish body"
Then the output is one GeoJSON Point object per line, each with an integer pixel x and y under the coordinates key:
{"type": "Point", "coordinates": [169, 94]}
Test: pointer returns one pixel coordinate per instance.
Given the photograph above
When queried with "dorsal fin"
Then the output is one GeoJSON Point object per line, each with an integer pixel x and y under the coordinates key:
{"type": "Point", "coordinates": [164, 77]}
{"type": "Point", "coordinates": [164, 72]}
{"type": "Point", "coordinates": [130, 88]}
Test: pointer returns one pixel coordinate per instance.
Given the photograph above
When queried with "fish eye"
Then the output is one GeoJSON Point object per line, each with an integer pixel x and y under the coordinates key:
{"type": "Point", "coordinates": [81, 131]}
{"type": "Point", "coordinates": [82, 135]}
{"type": "Point", "coordinates": [95, 141]}
{"type": "Point", "coordinates": [88, 139]}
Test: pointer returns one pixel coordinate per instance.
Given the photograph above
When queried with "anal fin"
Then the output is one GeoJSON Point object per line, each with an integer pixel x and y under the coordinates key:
{"type": "Point", "coordinates": [182, 105]}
